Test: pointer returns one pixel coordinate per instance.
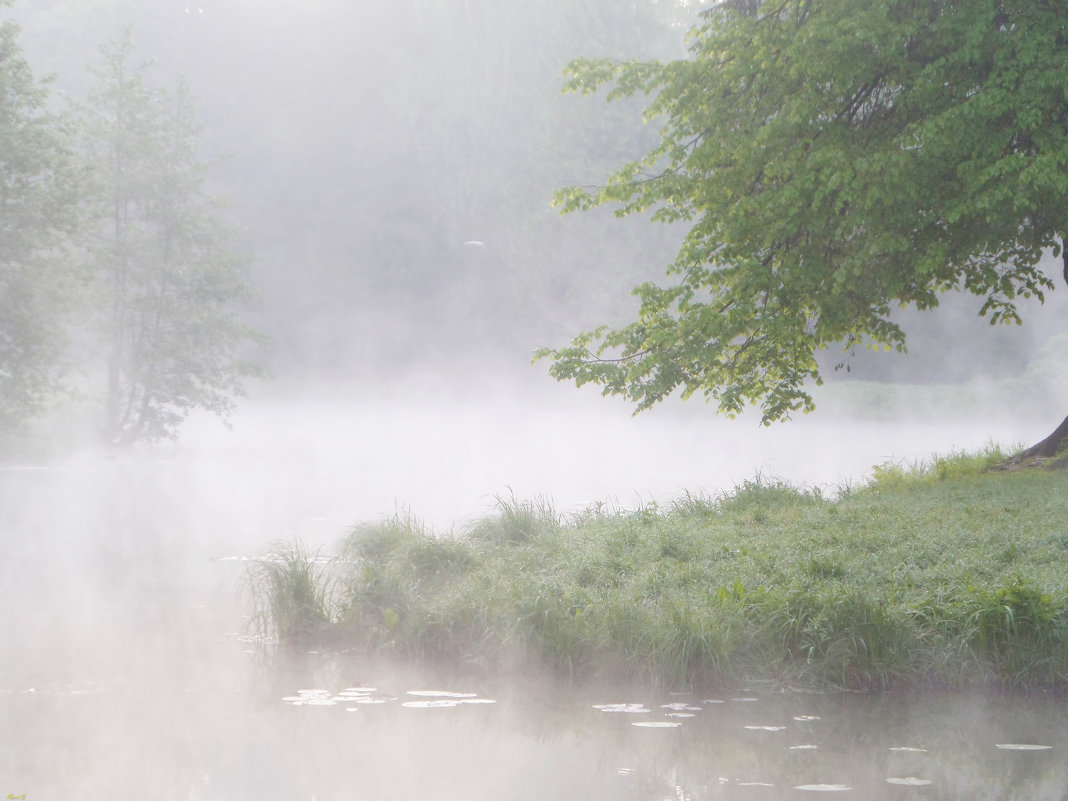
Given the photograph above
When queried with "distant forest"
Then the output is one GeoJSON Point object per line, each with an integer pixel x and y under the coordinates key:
{"type": "Point", "coordinates": [389, 166]}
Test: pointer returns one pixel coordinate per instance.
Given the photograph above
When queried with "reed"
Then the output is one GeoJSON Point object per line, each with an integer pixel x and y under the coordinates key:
{"type": "Point", "coordinates": [937, 574]}
{"type": "Point", "coordinates": [292, 593]}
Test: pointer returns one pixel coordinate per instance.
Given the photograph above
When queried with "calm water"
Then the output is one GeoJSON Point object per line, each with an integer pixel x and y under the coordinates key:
{"type": "Point", "coordinates": [209, 721]}
{"type": "Point", "coordinates": [123, 675]}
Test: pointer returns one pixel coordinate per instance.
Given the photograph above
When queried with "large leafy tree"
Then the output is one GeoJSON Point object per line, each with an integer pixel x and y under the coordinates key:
{"type": "Point", "coordinates": [168, 282]}
{"type": "Point", "coordinates": [38, 202]}
{"type": "Point", "coordinates": [833, 159]}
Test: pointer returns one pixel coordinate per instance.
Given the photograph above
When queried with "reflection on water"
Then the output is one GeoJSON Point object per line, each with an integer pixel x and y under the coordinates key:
{"type": "Point", "coordinates": [225, 721]}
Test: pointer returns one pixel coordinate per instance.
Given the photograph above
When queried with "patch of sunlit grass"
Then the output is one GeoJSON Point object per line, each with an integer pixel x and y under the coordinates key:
{"type": "Point", "coordinates": [941, 467]}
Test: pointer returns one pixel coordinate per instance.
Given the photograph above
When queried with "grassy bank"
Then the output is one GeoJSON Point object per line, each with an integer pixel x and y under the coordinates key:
{"type": "Point", "coordinates": [944, 574]}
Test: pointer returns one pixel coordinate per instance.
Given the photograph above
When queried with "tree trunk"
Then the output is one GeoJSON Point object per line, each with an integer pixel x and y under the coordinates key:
{"type": "Point", "coordinates": [1047, 448]}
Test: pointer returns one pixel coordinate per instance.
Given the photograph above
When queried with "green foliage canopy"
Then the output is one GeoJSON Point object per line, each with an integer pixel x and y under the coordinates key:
{"type": "Point", "coordinates": [833, 159]}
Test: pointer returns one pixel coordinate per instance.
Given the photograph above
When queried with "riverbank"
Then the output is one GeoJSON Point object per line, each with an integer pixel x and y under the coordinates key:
{"type": "Point", "coordinates": [944, 574]}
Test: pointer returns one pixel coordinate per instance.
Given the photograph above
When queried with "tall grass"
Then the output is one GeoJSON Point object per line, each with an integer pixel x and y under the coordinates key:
{"type": "Point", "coordinates": [941, 573]}
{"type": "Point", "coordinates": [292, 593]}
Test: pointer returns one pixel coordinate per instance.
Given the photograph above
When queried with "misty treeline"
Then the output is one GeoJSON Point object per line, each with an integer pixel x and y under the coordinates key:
{"type": "Point", "coordinates": [389, 166]}
{"type": "Point", "coordinates": [116, 272]}
{"type": "Point", "coordinates": [388, 170]}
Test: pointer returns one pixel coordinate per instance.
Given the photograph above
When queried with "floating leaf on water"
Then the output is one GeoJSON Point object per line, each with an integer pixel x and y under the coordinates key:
{"type": "Point", "coordinates": [1023, 747]}
{"type": "Point", "coordinates": [657, 724]}
{"type": "Point", "coordinates": [755, 784]}
{"type": "Point", "coordinates": [477, 701]}
{"type": "Point", "coordinates": [370, 700]}
{"type": "Point", "coordinates": [909, 781]}
{"type": "Point", "coordinates": [438, 702]}
{"type": "Point", "coordinates": [359, 690]}
{"type": "Point", "coordinates": [824, 788]}
{"type": "Point", "coordinates": [745, 698]}
{"type": "Point", "coordinates": [680, 714]}
{"type": "Point", "coordinates": [681, 707]}
{"type": "Point", "coordinates": [765, 728]}
{"type": "Point", "coordinates": [712, 701]}
{"type": "Point", "coordinates": [440, 694]}
{"type": "Point", "coordinates": [806, 718]}
{"type": "Point", "coordinates": [804, 747]}
{"type": "Point", "coordinates": [628, 708]}
{"type": "Point", "coordinates": [317, 697]}
{"type": "Point", "coordinates": [908, 748]}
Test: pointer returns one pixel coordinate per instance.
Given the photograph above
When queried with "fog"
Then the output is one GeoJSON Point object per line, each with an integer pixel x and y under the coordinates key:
{"type": "Point", "coordinates": [369, 144]}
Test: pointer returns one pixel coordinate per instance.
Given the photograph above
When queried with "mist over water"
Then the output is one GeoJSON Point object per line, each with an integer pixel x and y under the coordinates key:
{"type": "Point", "coordinates": [445, 461]}
{"type": "Point", "coordinates": [125, 672]}
{"type": "Point", "coordinates": [372, 142]}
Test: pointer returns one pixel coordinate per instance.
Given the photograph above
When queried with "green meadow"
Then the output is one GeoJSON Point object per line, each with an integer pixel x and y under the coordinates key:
{"type": "Point", "coordinates": [943, 574]}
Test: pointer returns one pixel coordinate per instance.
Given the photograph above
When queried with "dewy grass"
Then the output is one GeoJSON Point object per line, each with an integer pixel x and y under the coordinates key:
{"type": "Point", "coordinates": [292, 594]}
{"type": "Point", "coordinates": [942, 574]}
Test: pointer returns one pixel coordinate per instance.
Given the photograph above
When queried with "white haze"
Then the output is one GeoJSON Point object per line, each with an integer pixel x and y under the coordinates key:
{"type": "Point", "coordinates": [111, 573]}
{"type": "Point", "coordinates": [312, 466]}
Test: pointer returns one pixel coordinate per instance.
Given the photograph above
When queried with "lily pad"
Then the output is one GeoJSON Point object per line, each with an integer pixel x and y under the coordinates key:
{"type": "Point", "coordinates": [824, 788]}
{"type": "Point", "coordinates": [631, 709]}
{"type": "Point", "coordinates": [1023, 747]}
{"type": "Point", "coordinates": [440, 694]}
{"type": "Point", "coordinates": [434, 704]}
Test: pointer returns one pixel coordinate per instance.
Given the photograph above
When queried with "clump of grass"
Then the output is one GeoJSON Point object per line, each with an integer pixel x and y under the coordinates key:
{"type": "Point", "coordinates": [939, 575]}
{"type": "Point", "coordinates": [1016, 621]}
{"type": "Point", "coordinates": [292, 595]}
{"type": "Point", "coordinates": [959, 464]}
{"type": "Point", "coordinates": [515, 521]}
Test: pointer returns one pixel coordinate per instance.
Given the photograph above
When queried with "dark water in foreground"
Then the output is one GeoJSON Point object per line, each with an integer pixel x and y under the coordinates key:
{"type": "Point", "coordinates": [123, 674]}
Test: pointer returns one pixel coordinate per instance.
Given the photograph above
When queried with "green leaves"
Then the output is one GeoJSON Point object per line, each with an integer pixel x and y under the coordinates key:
{"type": "Point", "coordinates": [38, 213]}
{"type": "Point", "coordinates": [834, 159]}
{"type": "Point", "coordinates": [168, 283]}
